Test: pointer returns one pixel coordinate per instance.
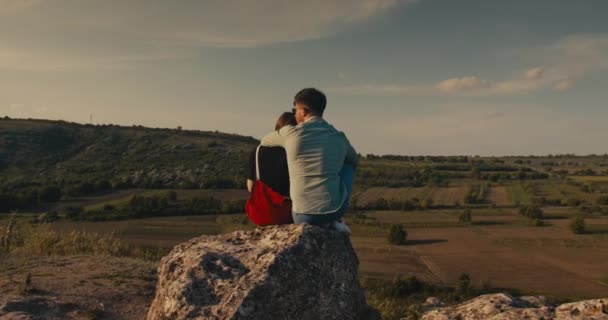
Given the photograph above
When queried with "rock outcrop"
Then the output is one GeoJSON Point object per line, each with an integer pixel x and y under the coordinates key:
{"type": "Point", "coordinates": [276, 272]}
{"type": "Point", "coordinates": [505, 307]}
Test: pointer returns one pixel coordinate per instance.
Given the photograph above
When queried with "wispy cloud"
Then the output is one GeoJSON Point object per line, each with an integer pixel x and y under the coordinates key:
{"type": "Point", "coordinates": [464, 84]}
{"type": "Point", "coordinates": [529, 80]}
{"type": "Point", "coordinates": [250, 23]}
{"type": "Point", "coordinates": [74, 34]}
{"type": "Point", "coordinates": [563, 85]}
{"type": "Point", "coordinates": [534, 73]}
{"type": "Point", "coordinates": [563, 63]}
{"type": "Point", "coordinates": [382, 89]}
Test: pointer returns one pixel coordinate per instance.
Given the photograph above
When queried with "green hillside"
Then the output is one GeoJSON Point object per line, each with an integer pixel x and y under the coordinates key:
{"type": "Point", "coordinates": [82, 159]}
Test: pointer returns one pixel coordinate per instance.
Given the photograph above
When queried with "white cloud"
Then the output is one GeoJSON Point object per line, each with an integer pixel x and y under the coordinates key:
{"type": "Point", "coordinates": [381, 89]}
{"type": "Point", "coordinates": [463, 84]}
{"type": "Point", "coordinates": [469, 85]}
{"type": "Point", "coordinates": [563, 85]}
{"type": "Point", "coordinates": [534, 73]}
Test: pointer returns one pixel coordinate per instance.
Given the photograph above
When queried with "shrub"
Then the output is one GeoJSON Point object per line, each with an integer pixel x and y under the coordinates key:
{"type": "Point", "coordinates": [26, 286]}
{"type": "Point", "coordinates": [577, 225]}
{"type": "Point", "coordinates": [476, 194]}
{"type": "Point", "coordinates": [41, 240]}
{"type": "Point", "coordinates": [172, 196]}
{"type": "Point", "coordinates": [427, 203]}
{"type": "Point", "coordinates": [571, 202]}
{"type": "Point", "coordinates": [537, 223]}
{"type": "Point", "coordinates": [72, 212]}
{"type": "Point", "coordinates": [408, 286]}
{"type": "Point", "coordinates": [49, 194]}
{"type": "Point", "coordinates": [48, 217]}
{"type": "Point", "coordinates": [359, 219]}
{"type": "Point", "coordinates": [603, 200]}
{"type": "Point", "coordinates": [11, 236]}
{"type": "Point", "coordinates": [233, 206]}
{"type": "Point", "coordinates": [379, 204]}
{"type": "Point", "coordinates": [397, 235]}
{"type": "Point", "coordinates": [205, 205]}
{"type": "Point", "coordinates": [465, 216]}
{"type": "Point", "coordinates": [464, 285]}
{"type": "Point", "coordinates": [531, 211]}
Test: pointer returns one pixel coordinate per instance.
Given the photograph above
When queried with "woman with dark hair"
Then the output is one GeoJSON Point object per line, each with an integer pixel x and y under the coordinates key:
{"type": "Point", "coordinates": [269, 166]}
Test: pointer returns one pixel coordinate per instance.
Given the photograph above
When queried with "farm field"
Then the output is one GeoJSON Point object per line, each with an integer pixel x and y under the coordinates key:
{"type": "Point", "coordinates": [120, 198]}
{"type": "Point", "coordinates": [375, 193]}
{"type": "Point", "coordinates": [499, 248]}
{"type": "Point", "coordinates": [498, 195]}
{"type": "Point", "coordinates": [600, 179]}
{"type": "Point", "coordinates": [508, 253]}
{"type": "Point", "coordinates": [440, 196]}
{"type": "Point", "coordinates": [553, 190]}
{"type": "Point", "coordinates": [501, 194]}
{"type": "Point", "coordinates": [517, 194]}
{"type": "Point", "coordinates": [448, 196]}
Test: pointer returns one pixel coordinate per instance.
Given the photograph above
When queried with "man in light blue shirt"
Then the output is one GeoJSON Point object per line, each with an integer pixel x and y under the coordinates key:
{"type": "Point", "coordinates": [320, 160]}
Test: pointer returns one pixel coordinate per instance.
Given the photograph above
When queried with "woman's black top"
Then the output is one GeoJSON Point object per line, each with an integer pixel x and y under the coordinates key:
{"type": "Point", "coordinates": [273, 169]}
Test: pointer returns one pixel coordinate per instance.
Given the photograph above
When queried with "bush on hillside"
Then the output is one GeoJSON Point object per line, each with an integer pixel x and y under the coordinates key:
{"type": "Point", "coordinates": [531, 211]}
{"type": "Point", "coordinates": [465, 216]}
{"type": "Point", "coordinates": [538, 223]}
{"type": "Point", "coordinates": [406, 287]}
{"type": "Point", "coordinates": [47, 217]}
{"type": "Point", "coordinates": [578, 225]}
{"type": "Point", "coordinates": [603, 200]}
{"type": "Point", "coordinates": [72, 212]}
{"type": "Point", "coordinates": [10, 235]}
{"type": "Point", "coordinates": [464, 285]}
{"type": "Point", "coordinates": [397, 234]}
{"type": "Point", "coordinates": [49, 194]}
{"type": "Point", "coordinates": [172, 196]}
{"type": "Point", "coordinates": [571, 202]}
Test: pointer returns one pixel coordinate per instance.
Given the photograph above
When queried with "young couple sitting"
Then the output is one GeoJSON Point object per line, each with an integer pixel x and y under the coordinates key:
{"type": "Point", "coordinates": [307, 161]}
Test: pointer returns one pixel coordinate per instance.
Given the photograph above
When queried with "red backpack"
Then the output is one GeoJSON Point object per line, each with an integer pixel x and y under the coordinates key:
{"type": "Point", "coordinates": [266, 206]}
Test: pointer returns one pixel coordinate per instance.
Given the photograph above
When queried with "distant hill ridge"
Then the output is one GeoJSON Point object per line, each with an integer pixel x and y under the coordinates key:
{"type": "Point", "coordinates": [37, 152]}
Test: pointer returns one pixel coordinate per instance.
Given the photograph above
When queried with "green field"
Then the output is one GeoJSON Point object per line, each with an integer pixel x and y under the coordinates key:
{"type": "Point", "coordinates": [517, 194]}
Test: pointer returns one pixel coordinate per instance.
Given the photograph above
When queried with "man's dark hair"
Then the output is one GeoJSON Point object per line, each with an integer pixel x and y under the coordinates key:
{"type": "Point", "coordinates": [313, 99]}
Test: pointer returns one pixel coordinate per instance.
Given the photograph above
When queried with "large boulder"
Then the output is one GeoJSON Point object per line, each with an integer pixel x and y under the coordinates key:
{"type": "Point", "coordinates": [276, 272]}
{"type": "Point", "coordinates": [505, 307]}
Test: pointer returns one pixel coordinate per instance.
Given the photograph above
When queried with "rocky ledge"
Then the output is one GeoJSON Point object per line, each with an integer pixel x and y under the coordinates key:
{"type": "Point", "coordinates": [276, 272]}
{"type": "Point", "coordinates": [505, 307]}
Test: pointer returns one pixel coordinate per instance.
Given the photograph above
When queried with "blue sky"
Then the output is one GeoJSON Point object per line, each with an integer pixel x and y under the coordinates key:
{"type": "Point", "coordinates": [439, 77]}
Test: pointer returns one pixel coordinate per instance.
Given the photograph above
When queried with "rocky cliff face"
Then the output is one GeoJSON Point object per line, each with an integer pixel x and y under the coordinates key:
{"type": "Point", "coordinates": [505, 307]}
{"type": "Point", "coordinates": [277, 272]}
